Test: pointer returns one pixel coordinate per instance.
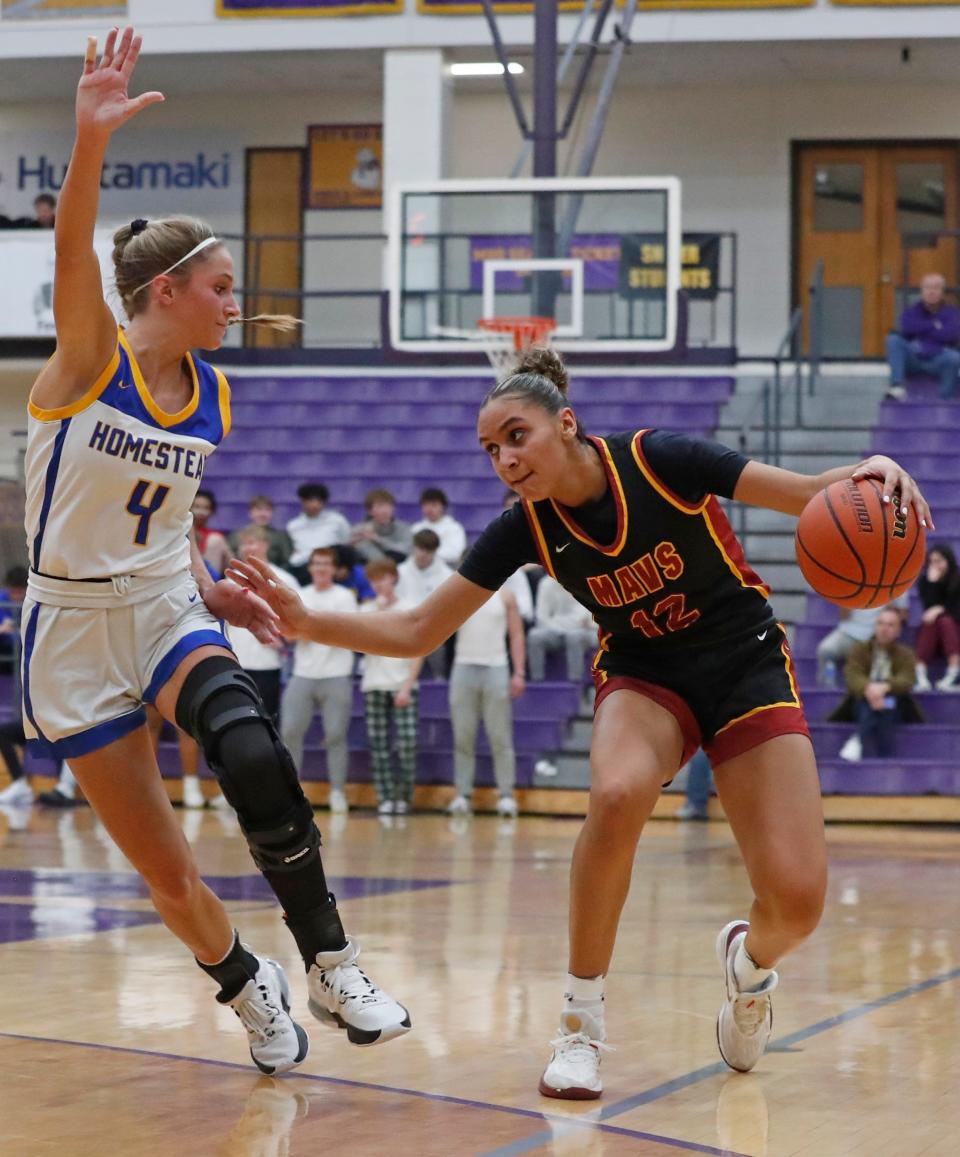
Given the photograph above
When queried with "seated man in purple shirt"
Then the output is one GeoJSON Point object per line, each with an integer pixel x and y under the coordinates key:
{"type": "Point", "coordinates": [927, 341]}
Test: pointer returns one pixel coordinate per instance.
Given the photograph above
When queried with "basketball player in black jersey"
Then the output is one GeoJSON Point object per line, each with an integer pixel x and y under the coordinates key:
{"type": "Point", "coordinates": [690, 653]}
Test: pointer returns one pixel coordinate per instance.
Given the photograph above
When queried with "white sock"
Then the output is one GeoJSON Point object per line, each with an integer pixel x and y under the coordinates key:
{"type": "Point", "coordinates": [749, 975]}
{"type": "Point", "coordinates": [583, 1006]}
{"type": "Point", "coordinates": [67, 783]}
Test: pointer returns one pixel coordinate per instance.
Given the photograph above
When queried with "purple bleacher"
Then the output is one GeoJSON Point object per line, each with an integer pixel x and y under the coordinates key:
{"type": "Point", "coordinates": [921, 433]}
{"type": "Point", "coordinates": [354, 433]}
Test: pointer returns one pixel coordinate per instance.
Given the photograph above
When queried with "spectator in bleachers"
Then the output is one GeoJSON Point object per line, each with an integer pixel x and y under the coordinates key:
{"type": "Point", "coordinates": [261, 661]}
{"type": "Point", "coordinates": [390, 694]}
{"type": "Point", "coordinates": [927, 341]}
{"type": "Point", "coordinates": [854, 627]}
{"type": "Point", "coordinates": [481, 687]}
{"type": "Point", "coordinates": [939, 632]}
{"type": "Point", "coordinates": [381, 534]}
{"type": "Point", "coordinates": [260, 512]}
{"type": "Point", "coordinates": [213, 545]}
{"type": "Point", "coordinates": [696, 806]}
{"type": "Point", "coordinates": [348, 572]}
{"type": "Point", "coordinates": [316, 526]}
{"type": "Point", "coordinates": [562, 624]}
{"type": "Point", "coordinates": [880, 674]}
{"type": "Point", "coordinates": [44, 215]}
{"type": "Point", "coordinates": [436, 517]}
{"type": "Point", "coordinates": [321, 681]}
{"type": "Point", "coordinates": [420, 576]}
{"type": "Point", "coordinates": [12, 594]}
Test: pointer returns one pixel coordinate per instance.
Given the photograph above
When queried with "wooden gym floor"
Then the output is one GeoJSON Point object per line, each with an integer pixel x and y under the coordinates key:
{"type": "Point", "coordinates": [111, 1044]}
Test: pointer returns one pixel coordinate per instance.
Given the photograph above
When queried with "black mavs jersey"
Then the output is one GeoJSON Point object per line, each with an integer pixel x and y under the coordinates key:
{"type": "Point", "coordinates": [660, 570]}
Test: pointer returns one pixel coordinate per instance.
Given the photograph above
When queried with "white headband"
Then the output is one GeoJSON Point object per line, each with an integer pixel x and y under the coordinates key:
{"type": "Point", "coordinates": [205, 243]}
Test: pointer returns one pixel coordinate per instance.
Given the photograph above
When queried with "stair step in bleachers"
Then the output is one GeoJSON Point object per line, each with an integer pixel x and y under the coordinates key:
{"type": "Point", "coordinates": [889, 777]}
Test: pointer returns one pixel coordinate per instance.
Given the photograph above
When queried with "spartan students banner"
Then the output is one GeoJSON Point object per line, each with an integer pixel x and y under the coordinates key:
{"type": "Point", "coordinates": [308, 7]}
{"type": "Point", "coordinates": [643, 272]}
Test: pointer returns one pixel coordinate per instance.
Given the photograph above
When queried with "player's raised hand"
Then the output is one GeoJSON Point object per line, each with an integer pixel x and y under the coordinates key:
{"type": "Point", "coordinates": [255, 577]}
{"type": "Point", "coordinates": [103, 100]}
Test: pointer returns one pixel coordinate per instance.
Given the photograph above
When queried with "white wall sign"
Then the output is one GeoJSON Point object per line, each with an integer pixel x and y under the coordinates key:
{"type": "Point", "coordinates": [26, 288]}
{"type": "Point", "coordinates": [145, 174]}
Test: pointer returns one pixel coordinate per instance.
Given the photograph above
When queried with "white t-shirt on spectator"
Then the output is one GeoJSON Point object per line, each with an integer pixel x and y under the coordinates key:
{"type": "Point", "coordinates": [453, 538]}
{"type": "Point", "coordinates": [252, 655]}
{"type": "Point", "coordinates": [385, 672]}
{"type": "Point", "coordinates": [415, 584]}
{"type": "Point", "coordinates": [317, 660]}
{"type": "Point", "coordinates": [482, 639]}
{"type": "Point", "coordinates": [519, 585]}
{"type": "Point", "coordinates": [559, 610]}
{"type": "Point", "coordinates": [328, 528]}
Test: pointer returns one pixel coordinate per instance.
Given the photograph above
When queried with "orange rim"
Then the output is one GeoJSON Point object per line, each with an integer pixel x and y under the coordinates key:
{"type": "Point", "coordinates": [526, 331]}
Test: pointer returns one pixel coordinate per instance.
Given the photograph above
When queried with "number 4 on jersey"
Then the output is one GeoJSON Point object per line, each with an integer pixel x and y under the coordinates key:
{"type": "Point", "coordinates": [143, 513]}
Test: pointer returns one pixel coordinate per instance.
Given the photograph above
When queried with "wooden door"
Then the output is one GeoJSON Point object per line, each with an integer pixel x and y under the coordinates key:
{"type": "Point", "coordinates": [274, 206]}
{"type": "Point", "coordinates": [918, 195]}
{"type": "Point", "coordinates": [854, 203]}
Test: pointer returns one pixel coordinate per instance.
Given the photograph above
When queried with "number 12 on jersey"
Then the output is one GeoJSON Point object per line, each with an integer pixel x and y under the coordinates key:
{"type": "Point", "coordinates": [144, 512]}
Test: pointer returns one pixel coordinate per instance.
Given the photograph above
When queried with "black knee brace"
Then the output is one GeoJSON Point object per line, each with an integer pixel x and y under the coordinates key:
{"type": "Point", "coordinates": [220, 706]}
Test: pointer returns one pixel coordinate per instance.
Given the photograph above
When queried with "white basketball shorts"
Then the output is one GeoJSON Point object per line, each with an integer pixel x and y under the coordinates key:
{"type": "Point", "coordinates": [88, 671]}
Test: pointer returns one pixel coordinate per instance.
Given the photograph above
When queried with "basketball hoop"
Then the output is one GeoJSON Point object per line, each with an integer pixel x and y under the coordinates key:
{"type": "Point", "coordinates": [505, 339]}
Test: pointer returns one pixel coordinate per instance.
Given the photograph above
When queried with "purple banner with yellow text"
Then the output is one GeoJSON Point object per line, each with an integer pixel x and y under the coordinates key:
{"type": "Point", "coordinates": [284, 8]}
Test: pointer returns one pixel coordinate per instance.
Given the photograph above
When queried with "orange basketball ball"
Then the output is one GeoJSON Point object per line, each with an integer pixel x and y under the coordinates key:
{"type": "Point", "coordinates": [855, 549]}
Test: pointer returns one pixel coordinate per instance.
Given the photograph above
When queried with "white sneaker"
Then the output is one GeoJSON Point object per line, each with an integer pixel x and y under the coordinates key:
{"type": "Point", "coordinates": [573, 1073]}
{"type": "Point", "coordinates": [17, 794]}
{"type": "Point", "coordinates": [401, 807]}
{"type": "Point", "coordinates": [338, 802]}
{"type": "Point", "coordinates": [219, 802]}
{"type": "Point", "coordinates": [949, 682]}
{"type": "Point", "coordinates": [852, 750]}
{"type": "Point", "coordinates": [898, 393]}
{"type": "Point", "coordinates": [746, 1018]}
{"type": "Point", "coordinates": [507, 806]}
{"type": "Point", "coordinates": [386, 807]}
{"type": "Point", "coordinates": [277, 1042]}
{"type": "Point", "coordinates": [342, 994]}
{"type": "Point", "coordinates": [922, 680]}
{"type": "Point", "coordinates": [545, 769]}
{"type": "Point", "coordinates": [192, 794]}
{"type": "Point", "coordinates": [459, 806]}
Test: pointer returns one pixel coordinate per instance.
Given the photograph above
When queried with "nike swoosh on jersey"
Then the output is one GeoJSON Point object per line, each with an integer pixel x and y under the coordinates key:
{"type": "Point", "coordinates": [762, 637]}
{"type": "Point", "coordinates": [193, 598]}
{"type": "Point", "coordinates": [561, 549]}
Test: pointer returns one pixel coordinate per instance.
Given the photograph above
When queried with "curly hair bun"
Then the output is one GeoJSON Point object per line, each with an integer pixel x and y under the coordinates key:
{"type": "Point", "coordinates": [547, 364]}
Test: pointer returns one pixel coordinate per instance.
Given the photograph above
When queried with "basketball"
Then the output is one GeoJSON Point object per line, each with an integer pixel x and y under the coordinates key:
{"type": "Point", "coordinates": [856, 550]}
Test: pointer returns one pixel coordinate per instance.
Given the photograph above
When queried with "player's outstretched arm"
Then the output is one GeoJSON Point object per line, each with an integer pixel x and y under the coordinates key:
{"type": "Point", "coordinates": [404, 634]}
{"type": "Point", "coordinates": [784, 490]}
{"type": "Point", "coordinates": [86, 328]}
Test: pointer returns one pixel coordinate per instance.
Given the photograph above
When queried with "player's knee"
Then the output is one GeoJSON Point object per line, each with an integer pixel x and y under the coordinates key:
{"type": "Point", "coordinates": [620, 805]}
{"type": "Point", "coordinates": [798, 905]}
{"type": "Point", "coordinates": [174, 884]}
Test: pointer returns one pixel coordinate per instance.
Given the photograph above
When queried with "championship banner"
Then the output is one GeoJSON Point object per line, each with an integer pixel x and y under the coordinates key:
{"type": "Point", "coordinates": [510, 7]}
{"type": "Point", "coordinates": [896, 3]}
{"type": "Point", "coordinates": [283, 8]}
{"type": "Point", "coordinates": [345, 166]}
{"type": "Point", "coordinates": [44, 9]}
{"type": "Point", "coordinates": [501, 7]}
{"type": "Point", "coordinates": [643, 271]}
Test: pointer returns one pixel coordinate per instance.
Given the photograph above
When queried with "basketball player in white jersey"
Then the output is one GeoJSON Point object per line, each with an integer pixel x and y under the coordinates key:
{"type": "Point", "coordinates": [121, 611]}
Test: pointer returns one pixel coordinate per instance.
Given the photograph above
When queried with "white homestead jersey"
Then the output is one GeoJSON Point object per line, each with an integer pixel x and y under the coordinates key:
{"type": "Point", "coordinates": [111, 479]}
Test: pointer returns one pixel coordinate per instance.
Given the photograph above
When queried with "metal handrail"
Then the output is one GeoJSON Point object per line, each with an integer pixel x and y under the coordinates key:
{"type": "Point", "coordinates": [769, 401]}
{"type": "Point", "coordinates": [815, 344]}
